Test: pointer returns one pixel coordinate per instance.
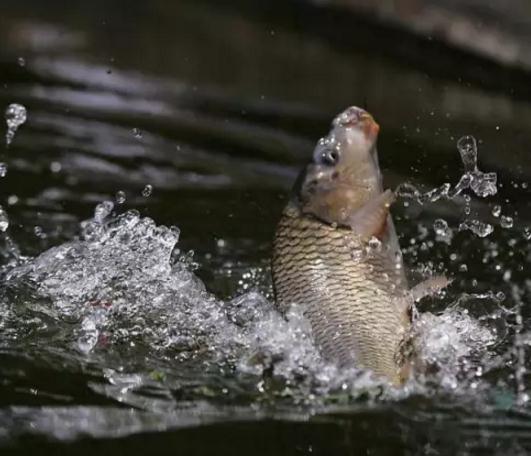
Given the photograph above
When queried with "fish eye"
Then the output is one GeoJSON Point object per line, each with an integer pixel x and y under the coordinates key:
{"type": "Point", "coordinates": [326, 156]}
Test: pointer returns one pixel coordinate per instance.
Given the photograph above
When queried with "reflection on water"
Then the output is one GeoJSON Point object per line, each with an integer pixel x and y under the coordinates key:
{"type": "Point", "coordinates": [113, 326]}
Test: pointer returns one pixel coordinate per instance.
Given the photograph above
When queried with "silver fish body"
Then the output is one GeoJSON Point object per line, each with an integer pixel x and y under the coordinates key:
{"type": "Point", "coordinates": [352, 293]}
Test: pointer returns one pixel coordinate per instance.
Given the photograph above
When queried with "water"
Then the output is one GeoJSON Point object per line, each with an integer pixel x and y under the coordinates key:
{"type": "Point", "coordinates": [139, 204]}
{"type": "Point", "coordinates": [15, 116]}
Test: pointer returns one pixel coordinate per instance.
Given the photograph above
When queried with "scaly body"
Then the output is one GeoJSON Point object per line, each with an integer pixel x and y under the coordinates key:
{"type": "Point", "coordinates": [353, 295]}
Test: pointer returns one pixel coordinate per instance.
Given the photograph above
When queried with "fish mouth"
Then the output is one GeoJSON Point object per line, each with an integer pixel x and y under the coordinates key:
{"type": "Point", "coordinates": [355, 117]}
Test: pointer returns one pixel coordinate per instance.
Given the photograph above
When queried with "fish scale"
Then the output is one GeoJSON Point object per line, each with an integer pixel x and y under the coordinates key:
{"type": "Point", "coordinates": [350, 302]}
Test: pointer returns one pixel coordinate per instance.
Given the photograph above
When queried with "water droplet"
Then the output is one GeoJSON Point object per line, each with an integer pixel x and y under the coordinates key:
{"type": "Point", "coordinates": [55, 167]}
{"type": "Point", "coordinates": [4, 220]}
{"type": "Point", "coordinates": [12, 199]}
{"type": "Point", "coordinates": [496, 210]}
{"type": "Point", "coordinates": [468, 149]}
{"type": "Point", "coordinates": [467, 204]}
{"type": "Point", "coordinates": [147, 191]}
{"type": "Point", "coordinates": [15, 116]}
{"type": "Point", "coordinates": [176, 231]}
{"type": "Point", "coordinates": [102, 211]}
{"type": "Point", "coordinates": [120, 197]}
{"type": "Point", "coordinates": [506, 221]}
{"type": "Point", "coordinates": [480, 229]}
{"type": "Point", "coordinates": [39, 232]}
{"type": "Point", "coordinates": [484, 184]}
{"type": "Point", "coordinates": [442, 231]}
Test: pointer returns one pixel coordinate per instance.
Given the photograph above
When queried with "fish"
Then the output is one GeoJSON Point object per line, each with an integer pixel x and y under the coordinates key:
{"type": "Point", "coordinates": [336, 254]}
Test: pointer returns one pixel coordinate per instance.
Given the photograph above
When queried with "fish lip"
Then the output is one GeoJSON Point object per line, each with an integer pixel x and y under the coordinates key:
{"type": "Point", "coordinates": [370, 127]}
{"type": "Point", "coordinates": [355, 117]}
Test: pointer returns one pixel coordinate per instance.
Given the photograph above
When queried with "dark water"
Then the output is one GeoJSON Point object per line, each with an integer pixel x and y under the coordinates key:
{"type": "Point", "coordinates": [105, 347]}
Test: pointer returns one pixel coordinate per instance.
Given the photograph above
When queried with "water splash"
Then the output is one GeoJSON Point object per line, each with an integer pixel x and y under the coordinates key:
{"type": "Point", "coordinates": [477, 227]}
{"type": "Point", "coordinates": [482, 184]}
{"type": "Point", "coordinates": [15, 116]}
{"type": "Point", "coordinates": [447, 342]}
{"type": "Point", "coordinates": [124, 286]}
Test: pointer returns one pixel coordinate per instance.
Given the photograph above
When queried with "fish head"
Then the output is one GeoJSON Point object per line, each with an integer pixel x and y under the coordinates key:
{"type": "Point", "coordinates": [344, 173]}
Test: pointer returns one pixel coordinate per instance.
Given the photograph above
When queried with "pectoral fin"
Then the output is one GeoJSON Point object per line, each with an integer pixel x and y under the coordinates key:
{"type": "Point", "coordinates": [371, 219]}
{"type": "Point", "coordinates": [429, 287]}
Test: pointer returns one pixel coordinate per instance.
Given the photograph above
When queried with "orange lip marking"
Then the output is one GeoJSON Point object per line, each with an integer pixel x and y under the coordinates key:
{"type": "Point", "coordinates": [370, 127]}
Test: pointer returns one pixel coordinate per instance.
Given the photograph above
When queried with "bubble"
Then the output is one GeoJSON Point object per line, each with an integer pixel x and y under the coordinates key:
{"type": "Point", "coordinates": [120, 197]}
{"type": "Point", "coordinates": [506, 221]}
{"type": "Point", "coordinates": [147, 191]}
{"type": "Point", "coordinates": [496, 210]}
{"type": "Point", "coordinates": [15, 116]}
{"type": "Point", "coordinates": [21, 62]}
{"type": "Point", "coordinates": [137, 133]}
{"type": "Point", "coordinates": [527, 233]}
{"type": "Point", "coordinates": [3, 169]}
